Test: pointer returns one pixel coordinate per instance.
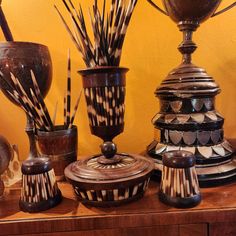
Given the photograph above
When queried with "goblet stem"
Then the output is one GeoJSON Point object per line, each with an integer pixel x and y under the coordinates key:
{"type": "Point", "coordinates": [30, 130]}
{"type": "Point", "coordinates": [187, 47]}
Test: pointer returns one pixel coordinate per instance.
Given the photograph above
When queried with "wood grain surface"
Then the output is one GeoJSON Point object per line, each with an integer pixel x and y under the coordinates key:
{"type": "Point", "coordinates": [215, 215]}
{"type": "Point", "coordinates": [218, 205]}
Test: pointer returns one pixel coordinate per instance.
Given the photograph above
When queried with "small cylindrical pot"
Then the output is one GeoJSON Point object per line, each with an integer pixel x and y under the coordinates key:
{"type": "Point", "coordinates": [179, 185]}
{"type": "Point", "coordinates": [60, 146]}
{"type": "Point", "coordinates": [104, 89]}
{"type": "Point", "coordinates": [39, 187]}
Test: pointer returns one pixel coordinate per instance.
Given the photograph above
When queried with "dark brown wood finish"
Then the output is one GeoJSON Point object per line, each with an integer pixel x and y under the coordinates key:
{"type": "Point", "coordinates": [178, 159]}
{"type": "Point", "coordinates": [179, 185]}
{"type": "Point", "coordinates": [148, 214]}
{"type": "Point", "coordinates": [103, 87]}
{"type": "Point", "coordinates": [19, 58]}
{"type": "Point", "coordinates": [60, 146]}
{"type": "Point", "coordinates": [180, 10]}
{"type": "Point", "coordinates": [110, 178]}
{"type": "Point", "coordinates": [110, 184]}
{"type": "Point", "coordinates": [104, 76]}
{"type": "Point", "coordinates": [4, 25]}
{"type": "Point", "coordinates": [39, 190]}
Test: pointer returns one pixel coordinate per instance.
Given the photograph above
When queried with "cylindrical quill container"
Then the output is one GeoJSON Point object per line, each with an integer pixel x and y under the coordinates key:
{"type": "Point", "coordinates": [179, 186]}
{"type": "Point", "coordinates": [40, 191]}
{"type": "Point", "coordinates": [60, 146]}
{"type": "Point", "coordinates": [104, 89]}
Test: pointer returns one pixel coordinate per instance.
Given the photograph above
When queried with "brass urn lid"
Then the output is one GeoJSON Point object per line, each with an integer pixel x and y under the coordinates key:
{"type": "Point", "coordinates": [188, 80]}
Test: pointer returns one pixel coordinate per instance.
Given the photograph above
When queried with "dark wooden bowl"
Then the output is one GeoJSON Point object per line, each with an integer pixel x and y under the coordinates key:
{"type": "Point", "coordinates": [190, 10]}
{"type": "Point", "coordinates": [21, 57]}
{"type": "Point", "coordinates": [105, 185]}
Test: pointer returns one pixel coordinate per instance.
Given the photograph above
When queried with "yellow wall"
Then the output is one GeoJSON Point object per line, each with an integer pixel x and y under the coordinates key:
{"type": "Point", "coordinates": [150, 53]}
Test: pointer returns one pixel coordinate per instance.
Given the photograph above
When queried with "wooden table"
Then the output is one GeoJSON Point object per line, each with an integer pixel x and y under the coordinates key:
{"type": "Point", "coordinates": [216, 215]}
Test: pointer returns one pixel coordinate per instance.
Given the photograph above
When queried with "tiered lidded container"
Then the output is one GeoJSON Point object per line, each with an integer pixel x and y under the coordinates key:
{"type": "Point", "coordinates": [188, 119]}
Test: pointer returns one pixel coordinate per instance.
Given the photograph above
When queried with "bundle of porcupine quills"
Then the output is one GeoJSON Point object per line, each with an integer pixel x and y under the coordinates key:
{"type": "Point", "coordinates": [109, 30]}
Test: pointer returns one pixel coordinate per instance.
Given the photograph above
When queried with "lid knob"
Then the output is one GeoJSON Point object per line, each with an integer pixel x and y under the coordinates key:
{"type": "Point", "coordinates": [108, 149]}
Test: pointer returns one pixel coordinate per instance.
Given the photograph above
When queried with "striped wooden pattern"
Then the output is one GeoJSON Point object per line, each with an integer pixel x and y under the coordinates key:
{"type": "Point", "coordinates": [105, 105]}
{"type": "Point", "coordinates": [112, 194]}
{"type": "Point", "coordinates": [179, 182]}
{"type": "Point", "coordinates": [93, 163]}
{"type": "Point", "coordinates": [38, 188]}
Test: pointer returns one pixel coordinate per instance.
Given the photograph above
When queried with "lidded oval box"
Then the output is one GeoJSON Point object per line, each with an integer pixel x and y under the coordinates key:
{"type": "Point", "coordinates": [109, 184]}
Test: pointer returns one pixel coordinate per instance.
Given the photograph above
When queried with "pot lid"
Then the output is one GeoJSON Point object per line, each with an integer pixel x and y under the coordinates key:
{"type": "Point", "coordinates": [91, 170]}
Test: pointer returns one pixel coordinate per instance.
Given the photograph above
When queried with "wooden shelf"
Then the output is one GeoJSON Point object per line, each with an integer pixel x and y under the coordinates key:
{"type": "Point", "coordinates": [214, 216]}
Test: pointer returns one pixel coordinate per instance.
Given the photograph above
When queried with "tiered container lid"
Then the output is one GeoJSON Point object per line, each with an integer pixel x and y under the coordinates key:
{"type": "Point", "coordinates": [188, 79]}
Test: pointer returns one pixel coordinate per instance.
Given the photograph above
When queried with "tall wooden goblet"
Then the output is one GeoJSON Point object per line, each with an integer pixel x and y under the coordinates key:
{"type": "Point", "coordinates": [110, 178]}
{"type": "Point", "coordinates": [105, 94]}
{"type": "Point", "coordinates": [19, 58]}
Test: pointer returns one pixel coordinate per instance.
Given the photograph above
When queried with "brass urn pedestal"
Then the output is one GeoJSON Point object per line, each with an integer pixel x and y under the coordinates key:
{"type": "Point", "coordinates": [188, 119]}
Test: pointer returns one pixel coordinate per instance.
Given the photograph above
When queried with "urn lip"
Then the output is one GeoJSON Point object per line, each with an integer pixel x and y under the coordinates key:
{"type": "Point", "coordinates": [38, 165]}
{"type": "Point", "coordinates": [58, 131]}
{"type": "Point", "coordinates": [103, 69]}
{"type": "Point", "coordinates": [179, 159]}
{"type": "Point", "coordinates": [21, 43]}
{"type": "Point", "coordinates": [103, 76]}
{"type": "Point", "coordinates": [191, 10]}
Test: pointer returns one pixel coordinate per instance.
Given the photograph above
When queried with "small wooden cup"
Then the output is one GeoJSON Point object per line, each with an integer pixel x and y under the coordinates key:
{"type": "Point", "coordinates": [60, 146]}
{"type": "Point", "coordinates": [179, 185]}
{"type": "Point", "coordinates": [39, 187]}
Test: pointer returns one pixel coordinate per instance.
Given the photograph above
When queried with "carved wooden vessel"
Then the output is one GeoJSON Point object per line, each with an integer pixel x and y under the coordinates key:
{"type": "Point", "coordinates": [60, 146]}
{"type": "Point", "coordinates": [111, 178]}
{"type": "Point", "coordinates": [39, 191]}
{"type": "Point", "coordinates": [19, 58]}
{"type": "Point", "coordinates": [188, 119]}
{"type": "Point", "coordinates": [112, 184]}
{"type": "Point", "coordinates": [179, 185]}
